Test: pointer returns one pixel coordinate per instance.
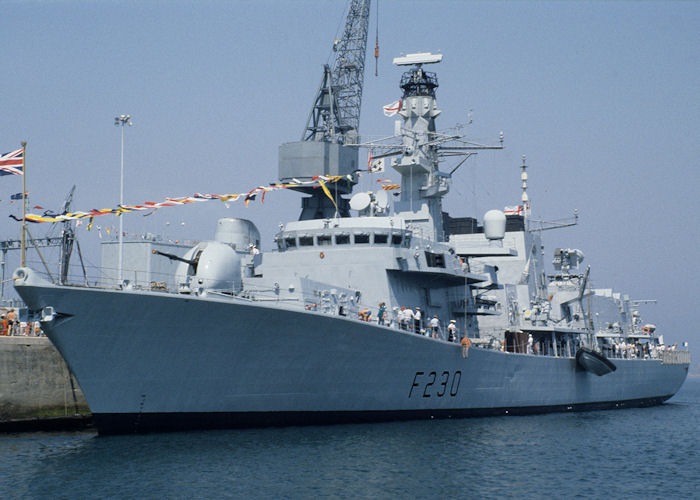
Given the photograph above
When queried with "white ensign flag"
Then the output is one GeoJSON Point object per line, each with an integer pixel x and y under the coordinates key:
{"type": "Point", "coordinates": [393, 108]}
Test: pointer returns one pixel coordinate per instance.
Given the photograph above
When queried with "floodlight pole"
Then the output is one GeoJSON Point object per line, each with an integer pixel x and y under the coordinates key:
{"type": "Point", "coordinates": [24, 203]}
{"type": "Point", "coordinates": [121, 120]}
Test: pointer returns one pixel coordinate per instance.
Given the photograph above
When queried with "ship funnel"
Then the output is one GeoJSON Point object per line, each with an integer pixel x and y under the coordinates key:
{"type": "Point", "coordinates": [495, 227]}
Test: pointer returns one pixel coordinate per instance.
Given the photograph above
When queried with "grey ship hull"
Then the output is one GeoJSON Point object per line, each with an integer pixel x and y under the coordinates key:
{"type": "Point", "coordinates": [148, 361]}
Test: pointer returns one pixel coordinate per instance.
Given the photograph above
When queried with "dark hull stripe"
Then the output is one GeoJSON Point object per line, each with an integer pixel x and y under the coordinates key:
{"type": "Point", "coordinates": [128, 423]}
{"type": "Point", "coordinates": [47, 424]}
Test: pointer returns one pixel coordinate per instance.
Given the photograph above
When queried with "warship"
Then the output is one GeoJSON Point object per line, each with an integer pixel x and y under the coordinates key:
{"type": "Point", "coordinates": [362, 311]}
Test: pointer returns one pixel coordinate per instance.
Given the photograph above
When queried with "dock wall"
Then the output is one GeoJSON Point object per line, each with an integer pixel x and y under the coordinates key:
{"type": "Point", "coordinates": [35, 382]}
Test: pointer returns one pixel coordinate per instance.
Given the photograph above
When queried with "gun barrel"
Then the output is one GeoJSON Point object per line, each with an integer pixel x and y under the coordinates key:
{"type": "Point", "coordinates": [170, 256]}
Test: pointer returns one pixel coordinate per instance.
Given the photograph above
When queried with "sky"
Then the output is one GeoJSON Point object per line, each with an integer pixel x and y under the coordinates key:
{"type": "Point", "coordinates": [601, 97]}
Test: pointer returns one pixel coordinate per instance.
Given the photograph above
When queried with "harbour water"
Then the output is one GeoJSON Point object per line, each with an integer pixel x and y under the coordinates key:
{"type": "Point", "coordinates": [633, 453]}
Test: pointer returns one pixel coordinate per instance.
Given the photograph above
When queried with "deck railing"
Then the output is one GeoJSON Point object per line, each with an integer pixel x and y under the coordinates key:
{"type": "Point", "coordinates": [675, 357]}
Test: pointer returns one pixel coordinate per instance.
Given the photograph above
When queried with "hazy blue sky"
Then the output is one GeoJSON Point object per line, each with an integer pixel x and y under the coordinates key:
{"type": "Point", "coordinates": [602, 97]}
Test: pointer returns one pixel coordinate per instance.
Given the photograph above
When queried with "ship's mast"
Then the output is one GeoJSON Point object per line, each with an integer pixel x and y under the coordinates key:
{"type": "Point", "coordinates": [524, 198]}
{"type": "Point", "coordinates": [422, 183]}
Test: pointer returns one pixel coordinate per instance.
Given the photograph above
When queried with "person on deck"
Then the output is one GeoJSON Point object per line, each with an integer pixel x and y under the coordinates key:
{"type": "Point", "coordinates": [435, 326]}
{"type": "Point", "coordinates": [365, 314]}
{"type": "Point", "coordinates": [452, 331]}
{"type": "Point", "coordinates": [408, 312]}
{"type": "Point", "coordinates": [466, 344]}
{"type": "Point", "coordinates": [381, 313]}
{"type": "Point", "coordinates": [403, 320]}
{"type": "Point", "coordinates": [11, 318]}
{"type": "Point", "coordinates": [417, 320]}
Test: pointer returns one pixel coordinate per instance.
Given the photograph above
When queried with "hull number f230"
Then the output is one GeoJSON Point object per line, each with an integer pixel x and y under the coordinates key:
{"type": "Point", "coordinates": [435, 384]}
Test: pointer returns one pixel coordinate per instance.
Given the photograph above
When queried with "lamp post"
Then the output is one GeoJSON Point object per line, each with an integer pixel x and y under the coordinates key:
{"type": "Point", "coordinates": [121, 120]}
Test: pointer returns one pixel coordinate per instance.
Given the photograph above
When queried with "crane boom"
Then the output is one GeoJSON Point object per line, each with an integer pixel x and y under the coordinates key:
{"type": "Point", "coordinates": [335, 115]}
{"type": "Point", "coordinates": [67, 240]}
{"type": "Point", "coordinates": [329, 144]}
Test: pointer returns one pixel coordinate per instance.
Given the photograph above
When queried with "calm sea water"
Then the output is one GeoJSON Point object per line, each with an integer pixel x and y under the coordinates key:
{"type": "Point", "coordinates": [636, 453]}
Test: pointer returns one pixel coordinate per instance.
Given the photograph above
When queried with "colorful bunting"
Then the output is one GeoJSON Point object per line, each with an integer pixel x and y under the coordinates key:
{"type": "Point", "coordinates": [328, 193]}
{"type": "Point", "coordinates": [316, 181]}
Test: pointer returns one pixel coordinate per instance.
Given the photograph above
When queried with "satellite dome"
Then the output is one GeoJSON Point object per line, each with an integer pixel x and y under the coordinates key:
{"type": "Point", "coordinates": [360, 201]}
{"type": "Point", "coordinates": [381, 199]}
{"type": "Point", "coordinates": [494, 225]}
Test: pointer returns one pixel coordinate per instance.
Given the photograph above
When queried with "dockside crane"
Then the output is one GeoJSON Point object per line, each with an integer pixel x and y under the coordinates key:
{"type": "Point", "coordinates": [329, 142]}
{"type": "Point", "coordinates": [67, 240]}
{"type": "Point", "coordinates": [335, 115]}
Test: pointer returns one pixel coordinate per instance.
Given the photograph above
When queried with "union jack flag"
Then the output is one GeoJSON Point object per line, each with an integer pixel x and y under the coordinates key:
{"type": "Point", "coordinates": [11, 163]}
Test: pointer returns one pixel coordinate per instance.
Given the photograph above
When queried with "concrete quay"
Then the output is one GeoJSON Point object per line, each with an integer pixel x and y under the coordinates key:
{"type": "Point", "coordinates": [37, 391]}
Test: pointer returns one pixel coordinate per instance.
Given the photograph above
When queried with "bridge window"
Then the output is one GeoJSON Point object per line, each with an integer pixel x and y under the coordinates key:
{"type": "Point", "coordinates": [290, 242]}
{"type": "Point", "coordinates": [342, 239]}
{"type": "Point", "coordinates": [396, 239]}
{"type": "Point", "coordinates": [324, 240]}
{"type": "Point", "coordinates": [362, 238]}
{"type": "Point", "coordinates": [435, 259]}
{"type": "Point", "coordinates": [306, 241]}
{"type": "Point", "coordinates": [381, 239]}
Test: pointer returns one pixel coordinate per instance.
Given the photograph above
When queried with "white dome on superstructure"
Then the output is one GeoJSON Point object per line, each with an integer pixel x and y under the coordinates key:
{"type": "Point", "coordinates": [495, 225]}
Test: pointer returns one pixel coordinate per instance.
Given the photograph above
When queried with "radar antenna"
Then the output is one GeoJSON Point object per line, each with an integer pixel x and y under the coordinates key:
{"type": "Point", "coordinates": [418, 148]}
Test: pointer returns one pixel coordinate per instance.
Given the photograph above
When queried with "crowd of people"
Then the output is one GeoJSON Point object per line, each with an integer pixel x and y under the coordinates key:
{"type": "Point", "coordinates": [10, 326]}
{"type": "Point", "coordinates": [633, 350]}
{"type": "Point", "coordinates": [413, 320]}
{"type": "Point", "coordinates": [406, 319]}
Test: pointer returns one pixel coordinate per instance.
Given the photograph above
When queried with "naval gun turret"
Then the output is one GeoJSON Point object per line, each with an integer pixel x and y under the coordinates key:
{"type": "Point", "coordinates": [219, 264]}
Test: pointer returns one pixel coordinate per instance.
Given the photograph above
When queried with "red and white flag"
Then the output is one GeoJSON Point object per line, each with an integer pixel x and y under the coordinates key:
{"type": "Point", "coordinates": [517, 210]}
{"type": "Point", "coordinates": [393, 108]}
